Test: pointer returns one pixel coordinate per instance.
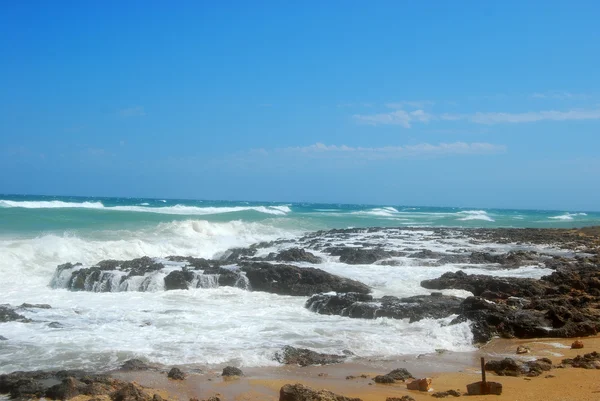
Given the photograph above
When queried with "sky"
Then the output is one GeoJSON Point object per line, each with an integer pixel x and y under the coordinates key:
{"type": "Point", "coordinates": [438, 103]}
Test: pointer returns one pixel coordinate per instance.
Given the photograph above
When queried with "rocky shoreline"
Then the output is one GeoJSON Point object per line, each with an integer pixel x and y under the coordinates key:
{"type": "Point", "coordinates": [563, 304]}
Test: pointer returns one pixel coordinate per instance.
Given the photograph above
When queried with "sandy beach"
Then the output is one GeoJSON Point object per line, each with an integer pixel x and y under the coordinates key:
{"type": "Point", "coordinates": [448, 371]}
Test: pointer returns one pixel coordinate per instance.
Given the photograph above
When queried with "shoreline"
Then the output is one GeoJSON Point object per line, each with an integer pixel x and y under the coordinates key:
{"type": "Point", "coordinates": [448, 371]}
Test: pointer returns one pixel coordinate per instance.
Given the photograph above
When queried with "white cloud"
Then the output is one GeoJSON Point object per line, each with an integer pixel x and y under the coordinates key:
{"type": "Point", "coordinates": [558, 95]}
{"type": "Point", "coordinates": [528, 117]}
{"type": "Point", "coordinates": [393, 152]}
{"type": "Point", "coordinates": [137, 111]}
{"type": "Point", "coordinates": [418, 104]}
{"type": "Point", "coordinates": [407, 118]}
{"type": "Point", "coordinates": [398, 117]}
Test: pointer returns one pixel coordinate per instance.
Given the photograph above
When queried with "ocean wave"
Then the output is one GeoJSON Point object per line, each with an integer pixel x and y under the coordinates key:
{"type": "Point", "coordinates": [50, 204]}
{"type": "Point", "coordinates": [474, 215]}
{"type": "Point", "coordinates": [567, 216]}
{"type": "Point", "coordinates": [176, 209]}
{"type": "Point", "coordinates": [378, 211]}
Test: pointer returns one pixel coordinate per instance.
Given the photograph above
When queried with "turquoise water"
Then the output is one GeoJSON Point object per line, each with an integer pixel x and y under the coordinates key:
{"type": "Point", "coordinates": [32, 215]}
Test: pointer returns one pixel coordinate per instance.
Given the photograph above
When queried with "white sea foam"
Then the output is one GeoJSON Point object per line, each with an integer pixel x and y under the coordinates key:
{"type": "Point", "coordinates": [379, 211]}
{"type": "Point", "coordinates": [144, 204]}
{"type": "Point", "coordinates": [474, 215]}
{"type": "Point", "coordinates": [176, 209]}
{"type": "Point", "coordinates": [567, 216]}
{"type": "Point", "coordinates": [207, 326]}
{"type": "Point", "coordinates": [50, 204]}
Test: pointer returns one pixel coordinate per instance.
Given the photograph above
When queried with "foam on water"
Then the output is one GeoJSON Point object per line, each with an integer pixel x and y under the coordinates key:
{"type": "Point", "coordinates": [567, 216]}
{"type": "Point", "coordinates": [474, 215]}
{"type": "Point", "coordinates": [176, 209]}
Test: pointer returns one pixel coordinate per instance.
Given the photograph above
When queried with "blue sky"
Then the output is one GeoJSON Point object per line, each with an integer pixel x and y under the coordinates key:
{"type": "Point", "coordinates": [469, 103]}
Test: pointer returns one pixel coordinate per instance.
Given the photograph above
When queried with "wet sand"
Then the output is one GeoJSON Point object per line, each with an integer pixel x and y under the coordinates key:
{"type": "Point", "coordinates": [448, 371]}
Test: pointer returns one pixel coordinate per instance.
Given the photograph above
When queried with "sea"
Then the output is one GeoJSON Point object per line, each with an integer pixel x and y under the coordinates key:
{"type": "Point", "coordinates": [216, 326]}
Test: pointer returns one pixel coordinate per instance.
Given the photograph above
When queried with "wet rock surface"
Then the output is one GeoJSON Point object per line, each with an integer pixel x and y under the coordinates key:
{"type": "Point", "coordinates": [305, 357]}
{"type": "Point", "coordinates": [8, 314]}
{"type": "Point", "coordinates": [364, 306]}
{"type": "Point", "coordinates": [185, 273]}
{"type": "Point", "coordinates": [292, 280]}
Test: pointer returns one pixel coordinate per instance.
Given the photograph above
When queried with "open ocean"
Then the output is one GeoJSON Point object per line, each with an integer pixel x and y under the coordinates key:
{"type": "Point", "coordinates": [212, 326]}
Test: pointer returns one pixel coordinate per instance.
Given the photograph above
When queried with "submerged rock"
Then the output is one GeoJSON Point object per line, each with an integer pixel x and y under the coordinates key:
{"type": "Point", "coordinates": [305, 357]}
{"type": "Point", "coordinates": [8, 314]}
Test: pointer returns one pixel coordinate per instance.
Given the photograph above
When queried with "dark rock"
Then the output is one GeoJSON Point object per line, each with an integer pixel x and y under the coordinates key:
{"type": "Point", "coordinates": [35, 306]}
{"type": "Point", "coordinates": [305, 357]}
{"type": "Point", "coordinates": [178, 280]}
{"type": "Point", "coordinates": [2, 338]}
{"type": "Point", "coordinates": [361, 256]}
{"type": "Point", "coordinates": [490, 319]}
{"type": "Point", "coordinates": [295, 255]}
{"type": "Point", "coordinates": [130, 392]}
{"type": "Point", "coordinates": [157, 397]}
{"type": "Point", "coordinates": [176, 374]}
{"type": "Point", "coordinates": [237, 254]}
{"type": "Point", "coordinates": [69, 388]}
{"type": "Point", "coordinates": [298, 392]}
{"type": "Point", "coordinates": [135, 364]}
{"type": "Point", "coordinates": [400, 374]}
{"type": "Point", "coordinates": [510, 367]}
{"type": "Point", "coordinates": [55, 325]}
{"type": "Point", "coordinates": [403, 398]}
{"type": "Point", "coordinates": [495, 287]}
{"type": "Point", "coordinates": [366, 307]}
{"type": "Point", "coordinates": [587, 361]}
{"type": "Point", "coordinates": [232, 371]}
{"type": "Point", "coordinates": [8, 314]}
{"type": "Point", "coordinates": [444, 394]}
{"type": "Point", "coordinates": [292, 280]}
{"type": "Point", "coordinates": [384, 379]}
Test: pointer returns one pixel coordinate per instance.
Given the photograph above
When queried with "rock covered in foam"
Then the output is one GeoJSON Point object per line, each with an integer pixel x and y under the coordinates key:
{"type": "Point", "coordinates": [181, 273]}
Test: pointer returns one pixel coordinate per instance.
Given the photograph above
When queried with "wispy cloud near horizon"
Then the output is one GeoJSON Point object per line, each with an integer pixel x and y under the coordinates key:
{"type": "Point", "coordinates": [527, 117]}
{"type": "Point", "coordinates": [407, 118]}
{"type": "Point", "coordinates": [320, 149]}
